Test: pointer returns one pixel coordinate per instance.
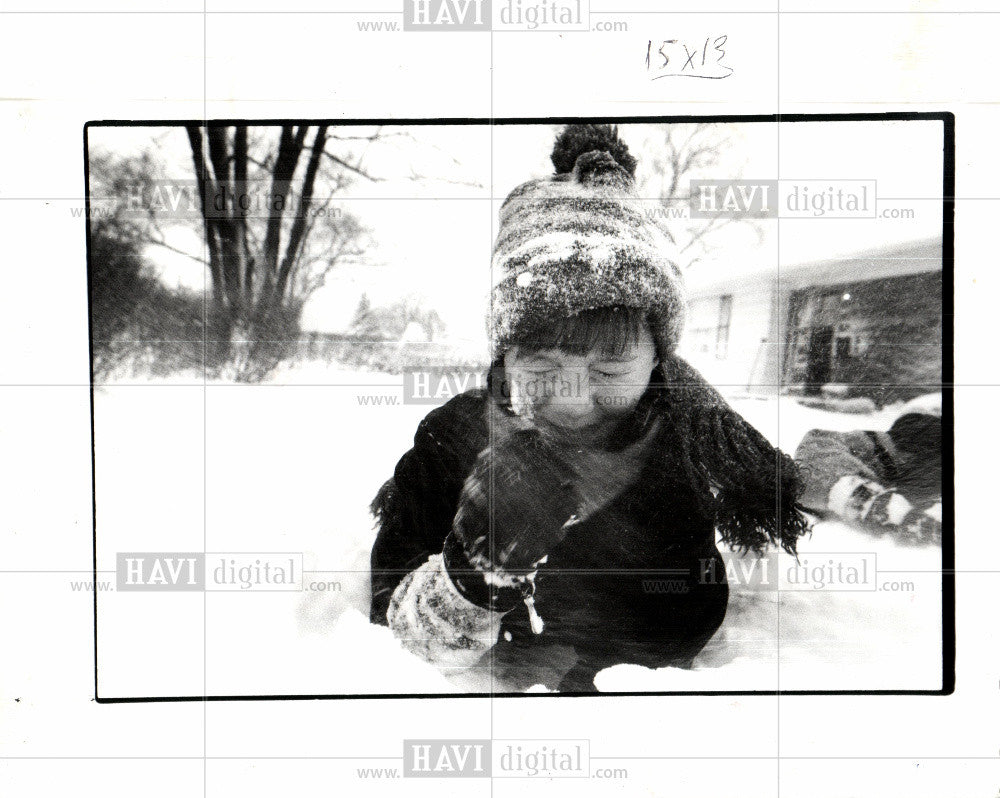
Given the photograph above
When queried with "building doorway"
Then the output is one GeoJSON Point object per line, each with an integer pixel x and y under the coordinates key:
{"type": "Point", "coordinates": [819, 364]}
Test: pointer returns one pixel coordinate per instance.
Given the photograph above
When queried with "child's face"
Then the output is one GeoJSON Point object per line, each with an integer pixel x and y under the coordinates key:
{"type": "Point", "coordinates": [575, 391]}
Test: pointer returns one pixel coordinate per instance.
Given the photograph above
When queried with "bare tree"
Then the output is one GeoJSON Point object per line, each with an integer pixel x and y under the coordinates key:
{"type": "Point", "coordinates": [261, 203]}
{"type": "Point", "coordinates": [265, 264]}
{"type": "Point", "coordinates": [683, 152]}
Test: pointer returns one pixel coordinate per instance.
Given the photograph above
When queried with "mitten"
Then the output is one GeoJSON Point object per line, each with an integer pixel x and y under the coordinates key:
{"type": "Point", "coordinates": [518, 503]}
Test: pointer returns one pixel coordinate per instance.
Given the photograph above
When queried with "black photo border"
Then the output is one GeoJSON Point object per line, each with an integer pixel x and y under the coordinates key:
{"type": "Point", "coordinates": [947, 382]}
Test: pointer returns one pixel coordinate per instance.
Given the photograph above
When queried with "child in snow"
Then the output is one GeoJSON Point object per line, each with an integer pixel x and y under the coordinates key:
{"type": "Point", "coordinates": [888, 483]}
{"type": "Point", "coordinates": [574, 501]}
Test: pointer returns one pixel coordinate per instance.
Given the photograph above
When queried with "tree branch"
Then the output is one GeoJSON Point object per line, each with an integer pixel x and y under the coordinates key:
{"type": "Point", "coordinates": [158, 242]}
{"type": "Point", "coordinates": [356, 169]}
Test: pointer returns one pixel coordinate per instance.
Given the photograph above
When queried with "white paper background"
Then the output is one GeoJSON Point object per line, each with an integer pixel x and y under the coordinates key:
{"type": "Point", "coordinates": [60, 70]}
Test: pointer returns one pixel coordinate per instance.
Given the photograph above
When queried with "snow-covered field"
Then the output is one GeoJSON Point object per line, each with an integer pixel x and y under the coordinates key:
{"type": "Point", "coordinates": [290, 466]}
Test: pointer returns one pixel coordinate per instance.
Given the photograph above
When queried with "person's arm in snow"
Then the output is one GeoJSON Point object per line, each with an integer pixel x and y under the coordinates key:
{"type": "Point", "coordinates": [852, 475]}
{"type": "Point", "coordinates": [414, 509]}
{"type": "Point", "coordinates": [414, 512]}
{"type": "Point", "coordinates": [517, 504]}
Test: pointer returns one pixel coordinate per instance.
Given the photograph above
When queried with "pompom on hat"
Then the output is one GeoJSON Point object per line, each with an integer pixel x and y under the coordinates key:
{"type": "Point", "coordinates": [579, 240]}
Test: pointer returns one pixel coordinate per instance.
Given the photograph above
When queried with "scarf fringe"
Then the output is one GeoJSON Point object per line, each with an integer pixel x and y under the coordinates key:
{"type": "Point", "coordinates": [750, 487]}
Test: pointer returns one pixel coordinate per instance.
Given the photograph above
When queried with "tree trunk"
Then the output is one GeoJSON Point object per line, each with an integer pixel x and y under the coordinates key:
{"type": "Point", "coordinates": [205, 191]}
{"type": "Point", "coordinates": [296, 235]}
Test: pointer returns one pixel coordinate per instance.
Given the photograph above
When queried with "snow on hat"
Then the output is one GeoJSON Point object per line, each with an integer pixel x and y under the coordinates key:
{"type": "Point", "coordinates": [579, 240]}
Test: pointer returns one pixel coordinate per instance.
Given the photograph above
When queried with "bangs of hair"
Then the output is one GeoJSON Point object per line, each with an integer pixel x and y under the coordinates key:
{"type": "Point", "coordinates": [614, 329]}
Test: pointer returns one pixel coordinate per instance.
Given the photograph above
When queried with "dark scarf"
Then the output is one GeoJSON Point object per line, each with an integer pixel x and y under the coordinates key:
{"type": "Point", "coordinates": [748, 486]}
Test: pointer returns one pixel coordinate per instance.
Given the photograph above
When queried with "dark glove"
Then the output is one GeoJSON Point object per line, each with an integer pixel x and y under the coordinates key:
{"type": "Point", "coordinates": [515, 507]}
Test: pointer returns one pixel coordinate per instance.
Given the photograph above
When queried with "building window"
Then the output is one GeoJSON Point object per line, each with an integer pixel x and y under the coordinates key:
{"type": "Point", "coordinates": [722, 329]}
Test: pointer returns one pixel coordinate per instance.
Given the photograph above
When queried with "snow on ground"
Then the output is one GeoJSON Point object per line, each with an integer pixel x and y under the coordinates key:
{"type": "Point", "coordinates": [798, 638]}
{"type": "Point", "coordinates": [291, 465]}
{"type": "Point", "coordinates": [804, 639]}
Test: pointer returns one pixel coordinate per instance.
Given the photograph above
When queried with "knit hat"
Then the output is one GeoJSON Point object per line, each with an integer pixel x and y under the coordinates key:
{"type": "Point", "coordinates": [579, 240]}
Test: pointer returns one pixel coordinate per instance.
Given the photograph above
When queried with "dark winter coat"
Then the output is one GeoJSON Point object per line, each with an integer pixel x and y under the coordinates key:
{"type": "Point", "coordinates": [630, 584]}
